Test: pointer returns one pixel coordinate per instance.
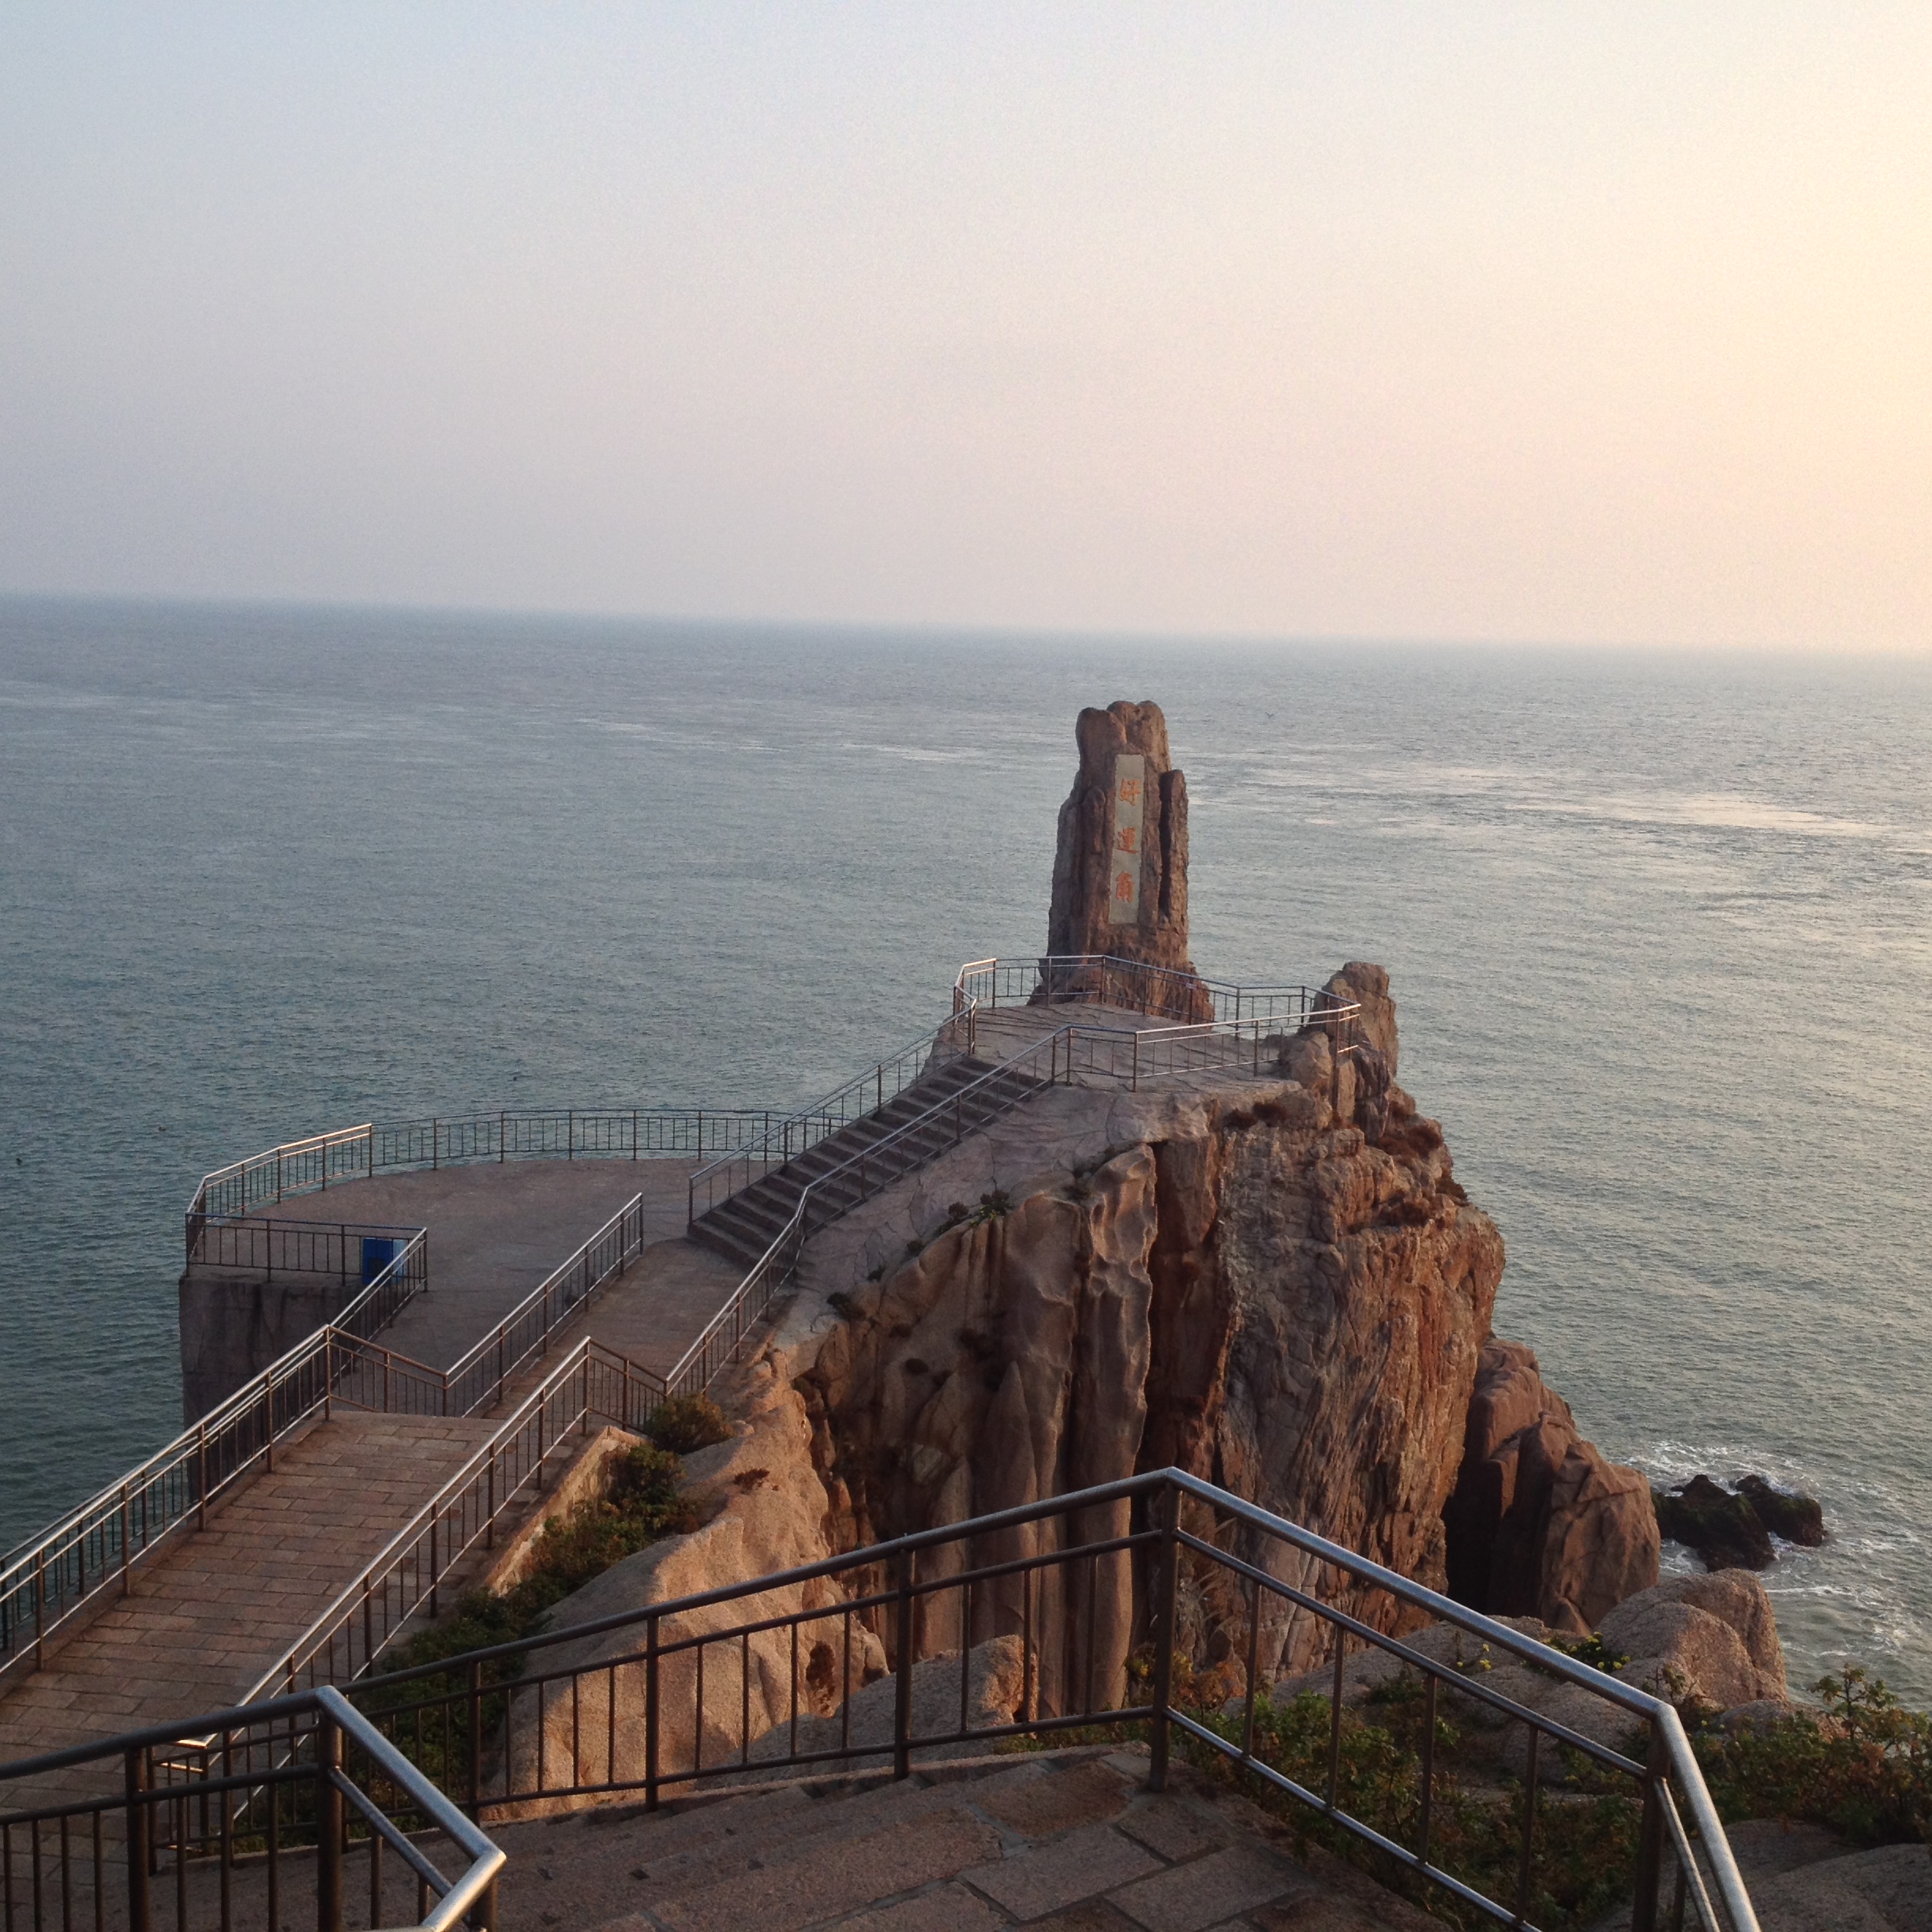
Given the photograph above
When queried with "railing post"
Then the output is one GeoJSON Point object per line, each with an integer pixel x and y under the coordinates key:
{"type": "Point", "coordinates": [502, 1136]}
{"type": "Point", "coordinates": [1650, 1834]}
{"type": "Point", "coordinates": [650, 1714]}
{"type": "Point", "coordinates": [127, 1559]}
{"type": "Point", "coordinates": [570, 1133]}
{"type": "Point", "coordinates": [434, 1571]}
{"type": "Point", "coordinates": [435, 1137]}
{"type": "Point", "coordinates": [139, 1852]}
{"type": "Point", "coordinates": [1167, 1510]}
{"type": "Point", "coordinates": [39, 1605]}
{"type": "Point", "coordinates": [201, 1474]}
{"type": "Point", "coordinates": [268, 1430]}
{"type": "Point", "coordinates": [476, 1736]}
{"type": "Point", "coordinates": [328, 1826]}
{"type": "Point", "coordinates": [902, 1697]}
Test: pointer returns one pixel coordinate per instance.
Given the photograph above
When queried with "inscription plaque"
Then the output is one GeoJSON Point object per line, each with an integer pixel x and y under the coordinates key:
{"type": "Point", "coordinates": [1124, 891]}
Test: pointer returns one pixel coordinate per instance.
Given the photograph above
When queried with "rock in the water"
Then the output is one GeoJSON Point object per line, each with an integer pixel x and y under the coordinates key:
{"type": "Point", "coordinates": [1724, 1529]}
{"type": "Point", "coordinates": [1796, 1519]}
{"type": "Point", "coordinates": [1120, 867]}
{"type": "Point", "coordinates": [1541, 1524]}
{"type": "Point", "coordinates": [1706, 1641]}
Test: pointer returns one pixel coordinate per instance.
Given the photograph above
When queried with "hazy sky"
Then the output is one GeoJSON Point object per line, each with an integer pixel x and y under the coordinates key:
{"type": "Point", "coordinates": [1566, 322]}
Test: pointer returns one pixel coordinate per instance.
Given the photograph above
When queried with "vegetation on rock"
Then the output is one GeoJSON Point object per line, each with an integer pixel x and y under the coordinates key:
{"type": "Point", "coordinates": [1863, 1767]}
{"type": "Point", "coordinates": [1796, 1519]}
{"type": "Point", "coordinates": [686, 1423]}
{"type": "Point", "coordinates": [643, 1504]}
{"type": "Point", "coordinates": [1722, 1528]}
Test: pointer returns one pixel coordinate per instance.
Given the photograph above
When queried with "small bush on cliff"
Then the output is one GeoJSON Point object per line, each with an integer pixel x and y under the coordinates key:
{"type": "Point", "coordinates": [687, 1423]}
{"type": "Point", "coordinates": [1585, 1841]}
{"type": "Point", "coordinates": [643, 1504]}
{"type": "Point", "coordinates": [1864, 1770]}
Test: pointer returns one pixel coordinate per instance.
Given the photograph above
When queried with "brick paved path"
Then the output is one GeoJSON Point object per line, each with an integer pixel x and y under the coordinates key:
{"type": "Point", "coordinates": [208, 1616]}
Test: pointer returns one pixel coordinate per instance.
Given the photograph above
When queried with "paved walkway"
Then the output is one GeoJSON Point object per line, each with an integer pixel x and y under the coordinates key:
{"type": "Point", "coordinates": [660, 1304]}
{"type": "Point", "coordinates": [1070, 1843]}
{"type": "Point", "coordinates": [216, 1608]}
{"type": "Point", "coordinates": [495, 1232]}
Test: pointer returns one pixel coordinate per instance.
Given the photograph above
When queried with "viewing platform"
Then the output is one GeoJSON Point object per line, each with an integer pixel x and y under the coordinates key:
{"type": "Point", "coordinates": [397, 1337]}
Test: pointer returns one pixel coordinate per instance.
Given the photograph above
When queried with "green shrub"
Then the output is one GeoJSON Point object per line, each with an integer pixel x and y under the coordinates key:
{"type": "Point", "coordinates": [1866, 1770]}
{"type": "Point", "coordinates": [1586, 1840]}
{"type": "Point", "coordinates": [687, 1423]}
{"type": "Point", "coordinates": [643, 1504]}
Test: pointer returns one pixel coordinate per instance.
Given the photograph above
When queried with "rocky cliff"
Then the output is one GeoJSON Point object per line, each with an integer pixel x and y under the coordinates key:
{"type": "Point", "coordinates": [1540, 1523]}
{"type": "Point", "coordinates": [1275, 1282]}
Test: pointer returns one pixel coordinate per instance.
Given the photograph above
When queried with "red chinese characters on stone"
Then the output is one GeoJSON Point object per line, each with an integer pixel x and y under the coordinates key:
{"type": "Point", "coordinates": [1130, 791]}
{"type": "Point", "coordinates": [1127, 838]}
{"type": "Point", "coordinates": [1123, 885]}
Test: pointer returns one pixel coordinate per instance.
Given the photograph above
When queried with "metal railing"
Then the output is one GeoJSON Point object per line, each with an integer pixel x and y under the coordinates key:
{"type": "Point", "coordinates": [794, 1134]}
{"type": "Point", "coordinates": [88, 1556]}
{"type": "Point", "coordinates": [356, 1153]}
{"type": "Point", "coordinates": [247, 1818]}
{"type": "Point", "coordinates": [590, 1387]}
{"type": "Point", "coordinates": [477, 1378]}
{"type": "Point", "coordinates": [757, 1679]}
{"type": "Point", "coordinates": [272, 1247]}
{"type": "Point", "coordinates": [1101, 978]}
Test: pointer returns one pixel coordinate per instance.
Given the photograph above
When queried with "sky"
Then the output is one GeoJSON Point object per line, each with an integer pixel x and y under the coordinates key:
{"type": "Point", "coordinates": [1540, 323]}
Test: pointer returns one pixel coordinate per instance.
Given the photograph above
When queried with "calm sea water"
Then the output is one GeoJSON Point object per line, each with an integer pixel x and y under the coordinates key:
{"type": "Point", "coordinates": [1661, 931]}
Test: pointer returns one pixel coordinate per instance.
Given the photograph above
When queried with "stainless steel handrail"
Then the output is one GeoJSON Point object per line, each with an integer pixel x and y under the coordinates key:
{"type": "Point", "coordinates": [630, 1244]}
{"type": "Point", "coordinates": [176, 1485]}
{"type": "Point", "coordinates": [461, 1895]}
{"type": "Point", "coordinates": [471, 1892]}
{"type": "Point", "coordinates": [798, 1132]}
{"type": "Point", "coordinates": [316, 1161]}
{"type": "Point", "coordinates": [349, 1603]}
{"type": "Point", "coordinates": [898, 1558]}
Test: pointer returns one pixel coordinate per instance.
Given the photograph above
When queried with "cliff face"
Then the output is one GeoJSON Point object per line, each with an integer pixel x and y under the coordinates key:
{"type": "Point", "coordinates": [1275, 1284]}
{"type": "Point", "coordinates": [1540, 1523]}
{"type": "Point", "coordinates": [1254, 1289]}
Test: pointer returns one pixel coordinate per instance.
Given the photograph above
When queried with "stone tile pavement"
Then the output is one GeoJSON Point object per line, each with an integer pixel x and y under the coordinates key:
{"type": "Point", "coordinates": [214, 1610]}
{"type": "Point", "coordinates": [1069, 1842]}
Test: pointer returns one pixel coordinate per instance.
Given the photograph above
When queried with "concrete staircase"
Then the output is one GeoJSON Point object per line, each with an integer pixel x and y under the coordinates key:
{"type": "Point", "coordinates": [934, 1113]}
{"type": "Point", "coordinates": [1068, 1840]}
{"type": "Point", "coordinates": [217, 1607]}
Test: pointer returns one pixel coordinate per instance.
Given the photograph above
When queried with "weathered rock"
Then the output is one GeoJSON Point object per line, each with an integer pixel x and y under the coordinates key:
{"type": "Point", "coordinates": [769, 1516]}
{"type": "Point", "coordinates": [995, 1686]}
{"type": "Point", "coordinates": [1722, 1528]}
{"type": "Point", "coordinates": [1120, 866]}
{"type": "Point", "coordinates": [1249, 1290]}
{"type": "Point", "coordinates": [1707, 1640]}
{"type": "Point", "coordinates": [1540, 1522]}
{"type": "Point", "coordinates": [1796, 1519]}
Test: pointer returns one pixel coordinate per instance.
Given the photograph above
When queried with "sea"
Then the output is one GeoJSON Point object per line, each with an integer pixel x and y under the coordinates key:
{"type": "Point", "coordinates": [1659, 925]}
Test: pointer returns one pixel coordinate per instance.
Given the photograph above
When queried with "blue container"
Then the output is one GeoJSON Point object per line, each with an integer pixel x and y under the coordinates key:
{"type": "Point", "coordinates": [378, 1252]}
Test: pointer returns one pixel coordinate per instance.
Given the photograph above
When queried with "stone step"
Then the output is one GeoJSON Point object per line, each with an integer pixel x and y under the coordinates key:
{"type": "Point", "coordinates": [1072, 1837]}
{"type": "Point", "coordinates": [743, 1226]}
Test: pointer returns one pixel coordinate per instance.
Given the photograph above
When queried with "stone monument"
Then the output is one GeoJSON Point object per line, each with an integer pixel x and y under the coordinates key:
{"type": "Point", "coordinates": [1120, 870]}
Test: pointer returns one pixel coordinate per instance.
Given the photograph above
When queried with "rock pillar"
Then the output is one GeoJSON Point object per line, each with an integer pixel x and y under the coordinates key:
{"type": "Point", "coordinates": [1120, 870]}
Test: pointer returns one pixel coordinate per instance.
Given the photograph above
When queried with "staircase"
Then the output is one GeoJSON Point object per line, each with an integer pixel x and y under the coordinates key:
{"type": "Point", "coordinates": [920, 1123]}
